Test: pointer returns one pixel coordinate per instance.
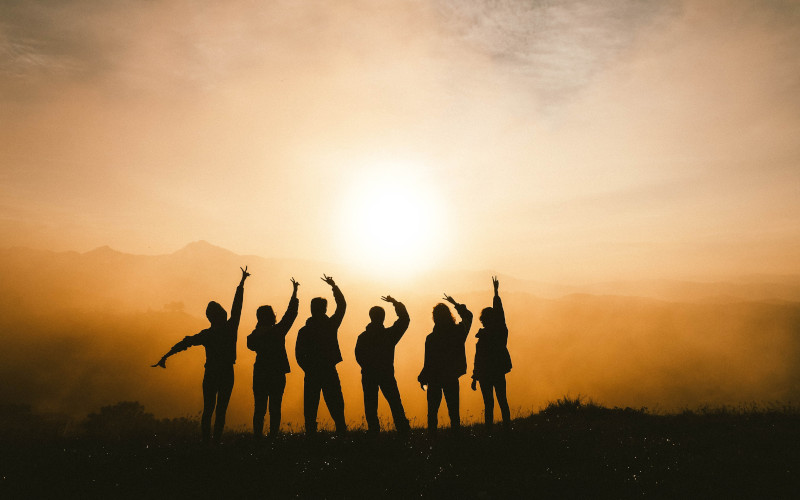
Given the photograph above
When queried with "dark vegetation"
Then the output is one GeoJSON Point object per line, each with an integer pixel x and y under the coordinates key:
{"type": "Point", "coordinates": [571, 448]}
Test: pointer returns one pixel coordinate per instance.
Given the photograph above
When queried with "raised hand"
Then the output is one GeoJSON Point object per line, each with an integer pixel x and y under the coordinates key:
{"type": "Point", "coordinates": [496, 283]}
{"type": "Point", "coordinates": [328, 280]}
{"type": "Point", "coordinates": [450, 299]}
{"type": "Point", "coordinates": [389, 298]}
{"type": "Point", "coordinates": [245, 274]}
{"type": "Point", "coordinates": [161, 362]}
{"type": "Point", "coordinates": [295, 285]}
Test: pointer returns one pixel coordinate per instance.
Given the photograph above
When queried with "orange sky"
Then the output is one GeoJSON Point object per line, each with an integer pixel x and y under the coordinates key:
{"type": "Point", "coordinates": [563, 141]}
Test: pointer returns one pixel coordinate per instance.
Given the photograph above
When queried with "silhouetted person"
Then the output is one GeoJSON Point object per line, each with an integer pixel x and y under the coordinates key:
{"type": "Point", "coordinates": [492, 360]}
{"type": "Point", "coordinates": [445, 362]}
{"type": "Point", "coordinates": [317, 352]}
{"type": "Point", "coordinates": [220, 342]}
{"type": "Point", "coordinates": [268, 340]}
{"type": "Point", "coordinates": [375, 354]}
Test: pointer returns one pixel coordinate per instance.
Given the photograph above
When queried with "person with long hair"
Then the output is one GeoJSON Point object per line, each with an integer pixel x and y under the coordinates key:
{"type": "Point", "coordinates": [268, 341]}
{"type": "Point", "coordinates": [445, 362]}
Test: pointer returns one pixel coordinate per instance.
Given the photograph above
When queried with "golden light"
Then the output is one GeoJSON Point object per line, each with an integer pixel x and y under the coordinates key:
{"type": "Point", "coordinates": [392, 221]}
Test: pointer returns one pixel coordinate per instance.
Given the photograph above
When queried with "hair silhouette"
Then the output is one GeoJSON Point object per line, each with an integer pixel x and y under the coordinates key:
{"type": "Point", "coordinates": [268, 340]}
{"type": "Point", "coordinates": [445, 362]}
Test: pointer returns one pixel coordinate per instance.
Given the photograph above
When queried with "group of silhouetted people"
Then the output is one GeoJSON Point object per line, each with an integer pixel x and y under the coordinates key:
{"type": "Point", "coordinates": [317, 352]}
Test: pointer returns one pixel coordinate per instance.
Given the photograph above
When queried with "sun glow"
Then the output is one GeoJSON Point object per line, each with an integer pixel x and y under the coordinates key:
{"type": "Point", "coordinates": [392, 221]}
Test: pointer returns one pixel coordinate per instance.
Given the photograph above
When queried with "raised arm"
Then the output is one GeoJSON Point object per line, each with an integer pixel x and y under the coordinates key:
{"type": "Point", "coordinates": [238, 298]}
{"type": "Point", "coordinates": [465, 315]}
{"type": "Point", "coordinates": [400, 326]}
{"type": "Point", "coordinates": [338, 297]}
{"type": "Point", "coordinates": [498, 315]}
{"type": "Point", "coordinates": [290, 315]}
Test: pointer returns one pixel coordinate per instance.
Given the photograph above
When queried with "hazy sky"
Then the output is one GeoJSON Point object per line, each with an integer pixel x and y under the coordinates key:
{"type": "Point", "coordinates": [554, 140]}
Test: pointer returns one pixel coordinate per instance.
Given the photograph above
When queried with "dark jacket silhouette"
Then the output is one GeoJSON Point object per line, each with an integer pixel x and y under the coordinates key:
{"type": "Point", "coordinates": [491, 352]}
{"type": "Point", "coordinates": [268, 340]}
{"type": "Point", "coordinates": [445, 362]}
{"type": "Point", "coordinates": [375, 354]}
{"type": "Point", "coordinates": [492, 360]}
{"type": "Point", "coordinates": [445, 357]}
{"type": "Point", "coordinates": [219, 341]}
{"type": "Point", "coordinates": [317, 352]}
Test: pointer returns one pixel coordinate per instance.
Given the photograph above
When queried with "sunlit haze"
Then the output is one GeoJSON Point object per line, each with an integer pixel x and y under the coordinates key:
{"type": "Point", "coordinates": [629, 168]}
{"type": "Point", "coordinates": [392, 221]}
{"type": "Point", "coordinates": [567, 141]}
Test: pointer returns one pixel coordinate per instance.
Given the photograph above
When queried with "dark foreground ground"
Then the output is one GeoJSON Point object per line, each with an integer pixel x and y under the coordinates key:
{"type": "Point", "coordinates": [569, 450]}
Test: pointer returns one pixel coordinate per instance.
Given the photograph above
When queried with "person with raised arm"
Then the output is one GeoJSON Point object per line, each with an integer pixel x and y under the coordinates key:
{"type": "Point", "coordinates": [445, 362]}
{"type": "Point", "coordinates": [317, 352]}
{"type": "Point", "coordinates": [268, 341]}
{"type": "Point", "coordinates": [219, 340]}
{"type": "Point", "coordinates": [492, 360]}
{"type": "Point", "coordinates": [375, 354]}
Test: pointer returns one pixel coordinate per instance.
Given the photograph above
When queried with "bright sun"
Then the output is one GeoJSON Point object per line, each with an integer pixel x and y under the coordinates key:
{"type": "Point", "coordinates": [392, 221]}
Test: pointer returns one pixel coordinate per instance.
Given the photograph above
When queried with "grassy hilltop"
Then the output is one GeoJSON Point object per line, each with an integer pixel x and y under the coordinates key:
{"type": "Point", "coordinates": [572, 448]}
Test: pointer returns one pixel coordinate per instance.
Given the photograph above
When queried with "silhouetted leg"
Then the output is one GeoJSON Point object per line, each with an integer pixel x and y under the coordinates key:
{"type": "Point", "coordinates": [451, 397]}
{"type": "Point", "coordinates": [434, 401]}
{"type": "Point", "coordinates": [487, 391]}
{"type": "Point", "coordinates": [392, 395]}
{"type": "Point", "coordinates": [370, 386]}
{"type": "Point", "coordinates": [276, 387]}
{"type": "Point", "coordinates": [311, 390]}
{"type": "Point", "coordinates": [334, 400]}
{"type": "Point", "coordinates": [224, 397]}
{"type": "Point", "coordinates": [209, 402]}
{"type": "Point", "coordinates": [502, 400]}
{"type": "Point", "coordinates": [261, 397]}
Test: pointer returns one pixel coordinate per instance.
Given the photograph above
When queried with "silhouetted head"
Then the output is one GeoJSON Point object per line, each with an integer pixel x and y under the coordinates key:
{"type": "Point", "coordinates": [377, 315]}
{"type": "Point", "coordinates": [442, 315]}
{"type": "Point", "coordinates": [486, 315]}
{"type": "Point", "coordinates": [265, 315]}
{"type": "Point", "coordinates": [216, 313]}
{"type": "Point", "coordinates": [319, 306]}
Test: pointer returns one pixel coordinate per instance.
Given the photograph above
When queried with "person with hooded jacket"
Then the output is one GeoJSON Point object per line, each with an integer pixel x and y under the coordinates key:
{"type": "Point", "coordinates": [219, 341]}
{"type": "Point", "coordinates": [492, 360]}
{"type": "Point", "coordinates": [375, 354]}
{"type": "Point", "coordinates": [317, 352]}
{"type": "Point", "coordinates": [445, 362]}
{"type": "Point", "coordinates": [268, 341]}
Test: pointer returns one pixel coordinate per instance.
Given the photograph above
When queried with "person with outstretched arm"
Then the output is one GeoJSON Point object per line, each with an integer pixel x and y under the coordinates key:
{"type": "Point", "coordinates": [317, 352]}
{"type": "Point", "coordinates": [375, 354]}
{"type": "Point", "coordinates": [219, 340]}
{"type": "Point", "coordinates": [445, 362]}
{"type": "Point", "coordinates": [268, 341]}
{"type": "Point", "coordinates": [492, 360]}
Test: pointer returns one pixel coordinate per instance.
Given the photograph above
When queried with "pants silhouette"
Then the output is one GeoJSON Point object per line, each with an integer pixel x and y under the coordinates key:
{"type": "Point", "coordinates": [324, 380]}
{"type": "Point", "coordinates": [217, 388]}
{"type": "Point", "coordinates": [268, 392]}
{"type": "Point", "coordinates": [450, 390]}
{"type": "Point", "coordinates": [489, 387]}
{"type": "Point", "coordinates": [388, 385]}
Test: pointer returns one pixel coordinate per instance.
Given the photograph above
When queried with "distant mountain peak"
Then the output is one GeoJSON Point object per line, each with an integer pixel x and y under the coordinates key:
{"type": "Point", "coordinates": [103, 250]}
{"type": "Point", "coordinates": [202, 247]}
